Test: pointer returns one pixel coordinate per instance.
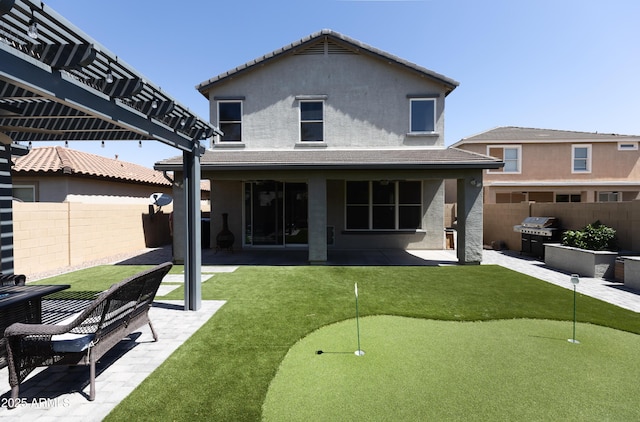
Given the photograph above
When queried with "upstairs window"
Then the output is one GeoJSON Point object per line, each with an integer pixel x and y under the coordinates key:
{"type": "Point", "coordinates": [511, 155]}
{"type": "Point", "coordinates": [230, 120]}
{"type": "Point", "coordinates": [581, 159]}
{"type": "Point", "coordinates": [311, 121]}
{"type": "Point", "coordinates": [423, 115]}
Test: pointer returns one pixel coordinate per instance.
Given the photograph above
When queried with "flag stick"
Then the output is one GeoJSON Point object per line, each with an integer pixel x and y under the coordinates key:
{"type": "Point", "coordinates": [358, 352]}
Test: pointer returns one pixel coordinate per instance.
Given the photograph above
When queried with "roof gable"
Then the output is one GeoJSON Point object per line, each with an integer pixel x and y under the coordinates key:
{"type": "Point", "coordinates": [62, 160]}
{"type": "Point", "coordinates": [327, 41]}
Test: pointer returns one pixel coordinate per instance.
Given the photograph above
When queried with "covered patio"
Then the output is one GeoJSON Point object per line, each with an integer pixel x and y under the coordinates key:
{"type": "Point", "coordinates": [59, 84]}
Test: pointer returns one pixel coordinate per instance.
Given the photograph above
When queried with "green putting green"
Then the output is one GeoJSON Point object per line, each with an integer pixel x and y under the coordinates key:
{"type": "Point", "coordinates": [418, 369]}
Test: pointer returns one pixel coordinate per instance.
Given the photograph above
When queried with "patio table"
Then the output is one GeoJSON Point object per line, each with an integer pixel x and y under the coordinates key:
{"type": "Point", "coordinates": [21, 304]}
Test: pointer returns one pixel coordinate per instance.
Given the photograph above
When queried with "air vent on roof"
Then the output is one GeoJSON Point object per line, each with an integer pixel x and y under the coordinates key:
{"type": "Point", "coordinates": [325, 47]}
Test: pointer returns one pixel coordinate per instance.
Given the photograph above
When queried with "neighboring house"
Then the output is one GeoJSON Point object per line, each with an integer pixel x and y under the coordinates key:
{"type": "Point", "coordinates": [544, 165]}
{"type": "Point", "coordinates": [331, 143]}
{"type": "Point", "coordinates": [59, 174]}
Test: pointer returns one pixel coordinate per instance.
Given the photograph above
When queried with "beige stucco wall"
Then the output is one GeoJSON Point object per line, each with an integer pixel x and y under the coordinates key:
{"type": "Point", "coordinates": [546, 170]}
{"type": "Point", "coordinates": [552, 161]}
{"type": "Point", "coordinates": [499, 220]}
{"type": "Point", "coordinates": [49, 236]}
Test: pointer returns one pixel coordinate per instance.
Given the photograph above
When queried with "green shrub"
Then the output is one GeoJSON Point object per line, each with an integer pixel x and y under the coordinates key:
{"type": "Point", "coordinates": [594, 237]}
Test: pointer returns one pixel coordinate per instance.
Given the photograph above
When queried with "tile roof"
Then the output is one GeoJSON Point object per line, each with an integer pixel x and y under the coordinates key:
{"type": "Point", "coordinates": [337, 37]}
{"type": "Point", "coordinates": [57, 159]}
{"type": "Point", "coordinates": [441, 158]}
{"type": "Point", "coordinates": [523, 134]}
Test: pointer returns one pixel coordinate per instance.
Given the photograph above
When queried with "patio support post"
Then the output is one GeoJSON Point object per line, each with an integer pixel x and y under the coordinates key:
{"type": "Point", "coordinates": [317, 219]}
{"type": "Point", "coordinates": [470, 219]}
{"type": "Point", "coordinates": [193, 251]}
{"type": "Point", "coordinates": [6, 210]}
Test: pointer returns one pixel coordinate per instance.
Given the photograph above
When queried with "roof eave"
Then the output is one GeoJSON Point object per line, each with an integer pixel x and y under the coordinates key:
{"type": "Point", "coordinates": [214, 167]}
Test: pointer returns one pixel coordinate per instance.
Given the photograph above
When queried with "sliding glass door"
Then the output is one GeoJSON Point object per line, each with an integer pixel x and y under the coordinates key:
{"type": "Point", "coordinates": [275, 213]}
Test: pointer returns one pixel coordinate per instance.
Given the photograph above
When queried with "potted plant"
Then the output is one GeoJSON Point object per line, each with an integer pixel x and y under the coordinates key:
{"type": "Point", "coordinates": [590, 252]}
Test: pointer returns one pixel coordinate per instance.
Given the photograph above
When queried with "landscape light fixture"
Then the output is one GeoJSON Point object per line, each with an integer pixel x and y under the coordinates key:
{"type": "Point", "coordinates": [32, 30]}
{"type": "Point", "coordinates": [575, 279]}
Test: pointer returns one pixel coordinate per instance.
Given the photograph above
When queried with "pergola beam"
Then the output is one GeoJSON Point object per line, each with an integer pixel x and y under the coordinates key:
{"type": "Point", "coordinates": [52, 84]}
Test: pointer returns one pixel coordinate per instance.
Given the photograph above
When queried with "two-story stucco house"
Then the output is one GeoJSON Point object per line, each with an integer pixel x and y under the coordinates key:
{"type": "Point", "coordinates": [330, 143]}
{"type": "Point", "coordinates": [544, 165]}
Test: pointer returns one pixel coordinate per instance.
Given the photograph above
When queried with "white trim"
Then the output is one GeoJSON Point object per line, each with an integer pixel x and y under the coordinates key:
{"type": "Point", "coordinates": [300, 141]}
{"type": "Point", "coordinates": [588, 159]}
{"type": "Point", "coordinates": [506, 146]}
{"type": "Point", "coordinates": [585, 183]}
{"type": "Point", "coordinates": [628, 146]}
{"type": "Point", "coordinates": [435, 123]}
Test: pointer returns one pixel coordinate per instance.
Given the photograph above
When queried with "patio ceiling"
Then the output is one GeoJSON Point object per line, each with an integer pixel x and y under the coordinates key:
{"type": "Point", "coordinates": [63, 85]}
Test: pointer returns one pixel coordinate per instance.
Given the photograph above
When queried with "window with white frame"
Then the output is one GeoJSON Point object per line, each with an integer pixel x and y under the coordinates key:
{"type": "Point", "coordinates": [581, 158]}
{"type": "Point", "coordinates": [383, 205]}
{"type": "Point", "coordinates": [230, 120]}
{"type": "Point", "coordinates": [511, 155]}
{"type": "Point", "coordinates": [609, 196]}
{"type": "Point", "coordinates": [311, 121]}
{"type": "Point", "coordinates": [422, 115]}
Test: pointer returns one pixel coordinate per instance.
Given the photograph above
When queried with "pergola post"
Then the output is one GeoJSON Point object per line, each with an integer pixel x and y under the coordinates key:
{"type": "Point", "coordinates": [193, 251]}
{"type": "Point", "coordinates": [6, 211]}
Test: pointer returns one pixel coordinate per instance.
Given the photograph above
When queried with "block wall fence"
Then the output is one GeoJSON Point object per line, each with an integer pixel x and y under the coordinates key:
{"type": "Point", "coordinates": [624, 217]}
{"type": "Point", "coordinates": [51, 236]}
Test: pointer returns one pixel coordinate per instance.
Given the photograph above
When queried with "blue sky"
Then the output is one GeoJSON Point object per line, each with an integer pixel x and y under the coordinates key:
{"type": "Point", "coordinates": [555, 64]}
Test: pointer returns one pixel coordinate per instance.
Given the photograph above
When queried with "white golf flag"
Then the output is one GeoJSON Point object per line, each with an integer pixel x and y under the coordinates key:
{"type": "Point", "coordinates": [356, 287]}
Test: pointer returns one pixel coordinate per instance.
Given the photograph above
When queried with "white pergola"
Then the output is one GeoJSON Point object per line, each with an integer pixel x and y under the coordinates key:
{"type": "Point", "coordinates": [58, 84]}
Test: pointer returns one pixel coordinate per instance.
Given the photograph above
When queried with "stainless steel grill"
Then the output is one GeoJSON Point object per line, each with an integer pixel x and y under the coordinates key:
{"type": "Point", "coordinates": [542, 226]}
{"type": "Point", "coordinates": [535, 232]}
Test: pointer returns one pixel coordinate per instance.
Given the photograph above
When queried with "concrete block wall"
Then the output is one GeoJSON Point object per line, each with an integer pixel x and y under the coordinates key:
{"type": "Point", "coordinates": [40, 236]}
{"type": "Point", "coordinates": [50, 236]}
{"type": "Point", "coordinates": [499, 220]}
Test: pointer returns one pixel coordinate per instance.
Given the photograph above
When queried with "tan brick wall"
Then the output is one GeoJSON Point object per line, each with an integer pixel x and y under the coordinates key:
{"type": "Point", "coordinates": [499, 220]}
{"type": "Point", "coordinates": [48, 236]}
{"type": "Point", "coordinates": [40, 236]}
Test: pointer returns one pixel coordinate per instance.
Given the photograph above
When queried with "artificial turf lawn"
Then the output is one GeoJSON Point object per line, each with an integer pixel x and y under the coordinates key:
{"type": "Point", "coordinates": [223, 371]}
{"type": "Point", "coordinates": [416, 369]}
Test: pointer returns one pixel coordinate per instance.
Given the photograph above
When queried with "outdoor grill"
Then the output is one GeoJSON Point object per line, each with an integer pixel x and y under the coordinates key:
{"type": "Point", "coordinates": [535, 232]}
